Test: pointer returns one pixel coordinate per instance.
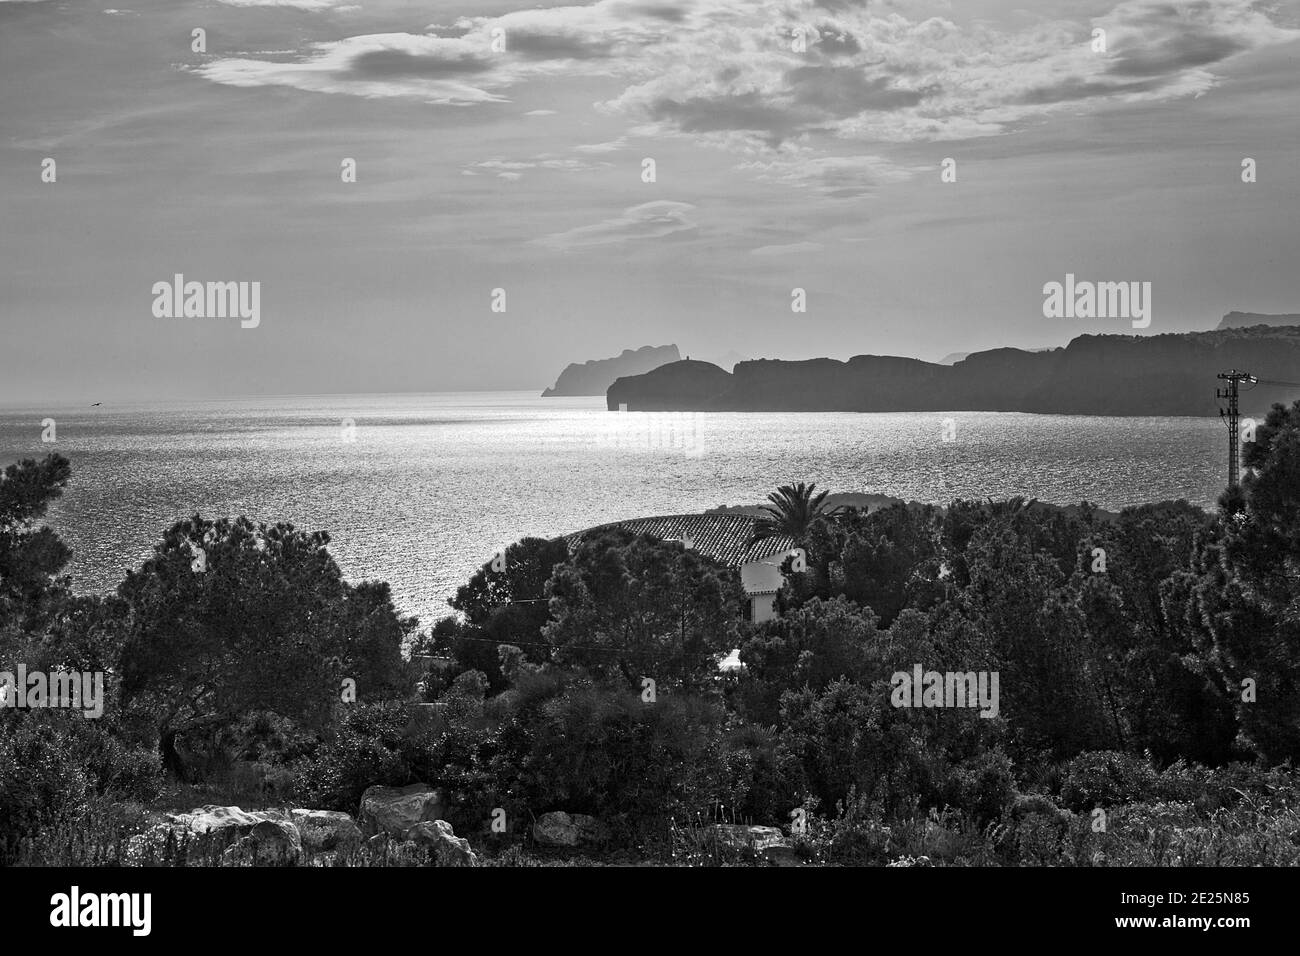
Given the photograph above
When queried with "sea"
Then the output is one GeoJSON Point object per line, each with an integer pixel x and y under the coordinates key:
{"type": "Point", "coordinates": [420, 490]}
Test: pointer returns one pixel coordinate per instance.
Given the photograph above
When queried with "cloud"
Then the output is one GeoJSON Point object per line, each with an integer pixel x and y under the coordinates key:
{"type": "Point", "coordinates": [514, 169]}
{"type": "Point", "coordinates": [872, 76]}
{"type": "Point", "coordinates": [612, 146]}
{"type": "Point", "coordinates": [449, 71]}
{"type": "Point", "coordinates": [793, 248]}
{"type": "Point", "coordinates": [544, 46]}
{"type": "Point", "coordinates": [723, 72]}
{"type": "Point", "coordinates": [651, 220]}
{"type": "Point", "coordinates": [837, 177]}
{"type": "Point", "coordinates": [840, 90]}
{"type": "Point", "coordinates": [311, 5]}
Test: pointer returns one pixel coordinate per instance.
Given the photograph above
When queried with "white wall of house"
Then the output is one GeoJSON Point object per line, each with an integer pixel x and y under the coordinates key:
{"type": "Point", "coordinates": [761, 580]}
{"type": "Point", "coordinates": [762, 607]}
{"type": "Point", "coordinates": [765, 575]}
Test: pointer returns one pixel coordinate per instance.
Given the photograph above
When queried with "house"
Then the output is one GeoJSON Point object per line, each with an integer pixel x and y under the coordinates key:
{"type": "Point", "coordinates": [726, 539]}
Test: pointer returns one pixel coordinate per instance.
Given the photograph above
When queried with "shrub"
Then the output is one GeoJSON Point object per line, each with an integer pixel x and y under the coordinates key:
{"type": "Point", "coordinates": [982, 786]}
{"type": "Point", "coordinates": [369, 747]}
{"type": "Point", "coordinates": [1107, 778]}
{"type": "Point", "coordinates": [42, 778]}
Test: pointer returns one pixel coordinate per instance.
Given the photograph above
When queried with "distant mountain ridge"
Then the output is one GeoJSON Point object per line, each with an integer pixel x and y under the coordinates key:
{"type": "Point", "coordinates": [595, 376]}
{"type": "Point", "coordinates": [1170, 374]}
{"type": "Point", "coordinates": [1245, 320]}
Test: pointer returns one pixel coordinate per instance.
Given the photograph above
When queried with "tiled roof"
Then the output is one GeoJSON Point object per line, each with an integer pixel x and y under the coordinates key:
{"type": "Point", "coordinates": [722, 537]}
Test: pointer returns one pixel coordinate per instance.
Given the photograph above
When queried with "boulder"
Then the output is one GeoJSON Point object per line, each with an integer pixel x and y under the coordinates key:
{"type": "Point", "coordinates": [558, 828]}
{"type": "Point", "coordinates": [202, 836]}
{"type": "Point", "coordinates": [269, 843]}
{"type": "Point", "coordinates": [210, 820]}
{"type": "Point", "coordinates": [738, 837]}
{"type": "Point", "coordinates": [207, 832]}
{"type": "Point", "coordinates": [448, 849]}
{"type": "Point", "coordinates": [230, 835]}
{"type": "Point", "coordinates": [781, 855]}
{"type": "Point", "coordinates": [326, 830]}
{"type": "Point", "coordinates": [395, 810]}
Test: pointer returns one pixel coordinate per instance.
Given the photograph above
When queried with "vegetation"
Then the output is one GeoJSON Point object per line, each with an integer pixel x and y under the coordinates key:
{"type": "Point", "coordinates": [793, 510]}
{"type": "Point", "coordinates": [1148, 667]}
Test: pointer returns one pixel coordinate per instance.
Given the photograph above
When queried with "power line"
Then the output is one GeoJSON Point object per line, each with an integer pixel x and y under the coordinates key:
{"type": "Point", "coordinates": [558, 647]}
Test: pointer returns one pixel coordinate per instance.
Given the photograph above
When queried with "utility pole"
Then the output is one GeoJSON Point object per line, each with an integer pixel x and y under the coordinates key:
{"type": "Point", "coordinates": [1233, 416]}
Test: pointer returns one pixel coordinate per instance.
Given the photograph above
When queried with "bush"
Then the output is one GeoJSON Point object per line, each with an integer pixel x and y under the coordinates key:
{"type": "Point", "coordinates": [1107, 778]}
{"type": "Point", "coordinates": [603, 751]}
{"type": "Point", "coordinates": [982, 786]}
{"type": "Point", "coordinates": [369, 747]}
{"type": "Point", "coordinates": [42, 778]}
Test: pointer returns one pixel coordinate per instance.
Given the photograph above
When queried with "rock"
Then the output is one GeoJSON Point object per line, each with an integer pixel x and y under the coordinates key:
{"type": "Point", "coordinates": [325, 830]}
{"type": "Point", "coordinates": [1106, 374]}
{"type": "Point", "coordinates": [449, 849]}
{"type": "Point", "coordinates": [213, 819]}
{"type": "Point", "coordinates": [395, 810]}
{"type": "Point", "coordinates": [213, 834]}
{"type": "Point", "coordinates": [268, 843]}
{"type": "Point", "coordinates": [206, 832]}
{"type": "Point", "coordinates": [558, 828]}
{"type": "Point", "coordinates": [781, 855]}
{"type": "Point", "coordinates": [593, 377]}
{"type": "Point", "coordinates": [671, 387]}
{"type": "Point", "coordinates": [739, 837]}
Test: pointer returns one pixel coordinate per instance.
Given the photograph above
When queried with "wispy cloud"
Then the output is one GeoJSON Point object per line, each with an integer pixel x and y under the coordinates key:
{"type": "Point", "coordinates": [840, 177]}
{"type": "Point", "coordinates": [514, 169]}
{"type": "Point", "coordinates": [297, 4]}
{"type": "Point", "coordinates": [651, 220]}
{"type": "Point", "coordinates": [790, 249]}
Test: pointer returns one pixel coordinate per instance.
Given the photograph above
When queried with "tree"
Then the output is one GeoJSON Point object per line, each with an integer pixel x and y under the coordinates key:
{"type": "Point", "coordinates": [525, 568]}
{"type": "Point", "coordinates": [230, 617]}
{"type": "Point", "coordinates": [636, 606]}
{"type": "Point", "coordinates": [811, 646]}
{"type": "Point", "coordinates": [793, 511]}
{"type": "Point", "coordinates": [29, 557]}
{"type": "Point", "coordinates": [510, 605]}
{"type": "Point", "coordinates": [887, 560]}
{"type": "Point", "coordinates": [1016, 596]}
{"type": "Point", "coordinates": [1249, 595]}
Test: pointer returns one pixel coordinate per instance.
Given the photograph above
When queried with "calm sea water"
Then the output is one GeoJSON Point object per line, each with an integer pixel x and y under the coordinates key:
{"type": "Point", "coordinates": [419, 490]}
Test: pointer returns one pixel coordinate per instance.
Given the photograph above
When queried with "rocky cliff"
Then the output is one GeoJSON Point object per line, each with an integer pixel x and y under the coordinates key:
{"type": "Point", "coordinates": [1172, 374]}
{"type": "Point", "coordinates": [595, 376]}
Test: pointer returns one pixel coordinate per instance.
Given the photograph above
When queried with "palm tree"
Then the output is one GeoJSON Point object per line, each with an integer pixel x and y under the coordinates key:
{"type": "Point", "coordinates": [793, 511]}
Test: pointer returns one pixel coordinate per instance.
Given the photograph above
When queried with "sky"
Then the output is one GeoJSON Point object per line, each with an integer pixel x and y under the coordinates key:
{"type": "Point", "coordinates": [500, 145]}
